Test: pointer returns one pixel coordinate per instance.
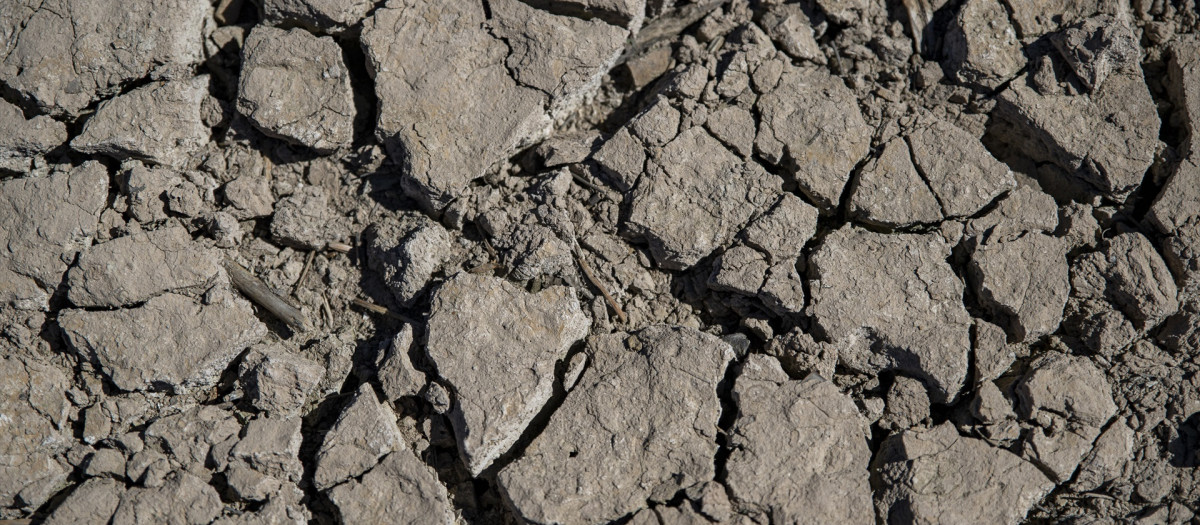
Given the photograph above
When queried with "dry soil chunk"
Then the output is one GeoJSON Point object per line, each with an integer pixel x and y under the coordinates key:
{"type": "Point", "coordinates": [1071, 401]}
{"type": "Point", "coordinates": [277, 381]}
{"type": "Point", "coordinates": [64, 54]}
{"type": "Point", "coordinates": [459, 93]}
{"type": "Point", "coordinates": [799, 449]}
{"type": "Point", "coordinates": [891, 192]}
{"type": "Point", "coordinates": [407, 254]}
{"type": "Point", "coordinates": [334, 16]}
{"type": "Point", "coordinates": [400, 489]}
{"type": "Point", "coordinates": [1138, 281]}
{"type": "Point", "coordinates": [447, 102]}
{"type": "Point", "coordinates": [160, 123]}
{"type": "Point", "coordinates": [21, 138]}
{"type": "Point", "coordinates": [641, 420]}
{"type": "Point", "coordinates": [303, 219]}
{"type": "Point", "coordinates": [295, 86]}
{"type": "Point", "coordinates": [188, 436]}
{"type": "Point", "coordinates": [740, 269]}
{"type": "Point", "coordinates": [271, 446]}
{"type": "Point", "coordinates": [1024, 281]}
{"type": "Point", "coordinates": [1105, 139]}
{"type": "Point", "coordinates": [1025, 209]}
{"type": "Point", "coordinates": [1034, 18]}
{"type": "Point", "coordinates": [981, 45]}
{"type": "Point", "coordinates": [907, 404]}
{"type": "Point", "coordinates": [783, 231]}
{"type": "Point", "coordinates": [697, 198]}
{"type": "Point", "coordinates": [962, 174]}
{"type": "Point", "coordinates": [938, 476]}
{"type": "Point", "coordinates": [735, 127]}
{"type": "Point", "coordinates": [1097, 47]}
{"type": "Point", "coordinates": [35, 428]}
{"type": "Point", "coordinates": [396, 374]}
{"type": "Point", "coordinates": [896, 303]}
{"type": "Point", "coordinates": [1184, 87]}
{"type": "Point", "coordinates": [183, 500]}
{"type": "Point", "coordinates": [44, 221]}
{"type": "Point", "coordinates": [93, 501]}
{"type": "Point", "coordinates": [564, 57]}
{"type": "Point", "coordinates": [810, 124]}
{"type": "Point", "coordinates": [250, 197]}
{"type": "Point", "coordinates": [134, 268]}
{"type": "Point", "coordinates": [172, 341]}
{"type": "Point", "coordinates": [497, 346]}
{"type": "Point", "coordinates": [1179, 201]}
{"type": "Point", "coordinates": [623, 159]}
{"type": "Point", "coordinates": [792, 31]}
{"type": "Point", "coordinates": [365, 432]}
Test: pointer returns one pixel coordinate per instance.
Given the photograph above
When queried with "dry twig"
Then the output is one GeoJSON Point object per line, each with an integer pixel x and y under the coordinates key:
{"type": "Point", "coordinates": [587, 272]}
{"type": "Point", "coordinates": [258, 292]}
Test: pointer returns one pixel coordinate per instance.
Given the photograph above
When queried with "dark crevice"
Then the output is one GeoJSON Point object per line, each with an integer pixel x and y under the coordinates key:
{"type": "Point", "coordinates": [366, 103]}
{"type": "Point", "coordinates": [575, 9]}
{"type": "Point", "coordinates": [725, 421]}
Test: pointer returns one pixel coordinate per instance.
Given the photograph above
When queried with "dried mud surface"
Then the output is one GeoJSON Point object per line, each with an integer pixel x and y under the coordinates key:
{"type": "Point", "coordinates": [647, 262]}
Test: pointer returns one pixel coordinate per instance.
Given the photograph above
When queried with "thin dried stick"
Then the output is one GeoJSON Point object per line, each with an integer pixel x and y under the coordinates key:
{"type": "Point", "coordinates": [304, 271]}
{"type": "Point", "coordinates": [367, 305]}
{"type": "Point", "coordinates": [587, 272]}
{"type": "Point", "coordinates": [258, 292]}
{"type": "Point", "coordinates": [326, 310]}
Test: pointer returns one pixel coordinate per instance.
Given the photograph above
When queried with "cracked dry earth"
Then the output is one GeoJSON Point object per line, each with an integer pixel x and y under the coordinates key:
{"type": "Point", "coordinates": [646, 262]}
